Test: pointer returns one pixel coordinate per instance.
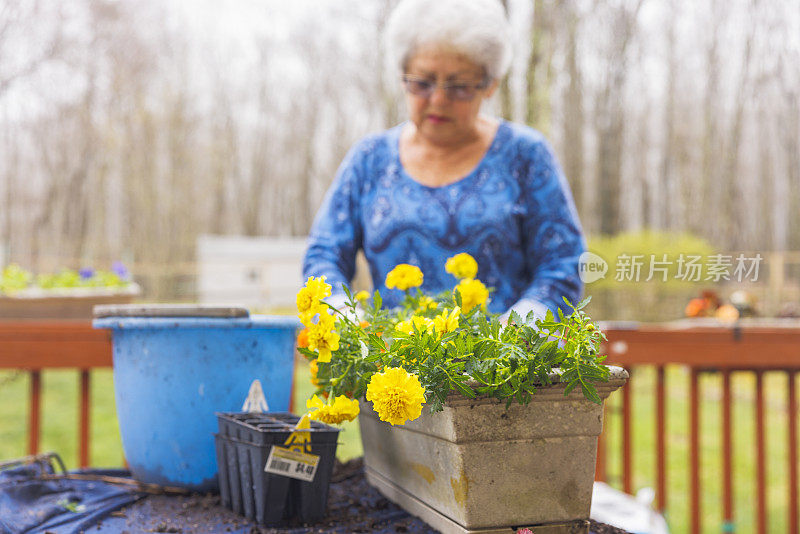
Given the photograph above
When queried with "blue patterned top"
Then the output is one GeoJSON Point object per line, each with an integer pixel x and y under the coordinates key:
{"type": "Point", "coordinates": [513, 213]}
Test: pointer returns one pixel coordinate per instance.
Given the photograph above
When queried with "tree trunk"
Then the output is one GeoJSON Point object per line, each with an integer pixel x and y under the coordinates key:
{"type": "Point", "coordinates": [538, 72]}
{"type": "Point", "coordinates": [573, 157]}
{"type": "Point", "coordinates": [666, 215]}
{"type": "Point", "coordinates": [506, 98]}
{"type": "Point", "coordinates": [731, 210]}
{"type": "Point", "coordinates": [610, 121]}
{"type": "Point", "coordinates": [711, 128]}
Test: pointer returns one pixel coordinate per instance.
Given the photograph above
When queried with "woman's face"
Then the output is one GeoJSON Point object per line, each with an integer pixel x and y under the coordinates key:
{"type": "Point", "coordinates": [440, 119]}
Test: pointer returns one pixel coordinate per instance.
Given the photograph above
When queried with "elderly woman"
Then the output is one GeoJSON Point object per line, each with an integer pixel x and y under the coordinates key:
{"type": "Point", "coordinates": [451, 179]}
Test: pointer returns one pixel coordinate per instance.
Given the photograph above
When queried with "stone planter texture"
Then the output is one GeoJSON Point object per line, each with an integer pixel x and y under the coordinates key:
{"type": "Point", "coordinates": [75, 303]}
{"type": "Point", "coordinates": [477, 467]}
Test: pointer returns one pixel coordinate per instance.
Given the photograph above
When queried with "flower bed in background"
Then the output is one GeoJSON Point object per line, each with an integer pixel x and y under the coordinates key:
{"type": "Point", "coordinates": [68, 294]}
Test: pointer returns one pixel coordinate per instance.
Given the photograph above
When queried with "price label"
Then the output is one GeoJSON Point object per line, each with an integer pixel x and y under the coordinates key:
{"type": "Point", "coordinates": [292, 463]}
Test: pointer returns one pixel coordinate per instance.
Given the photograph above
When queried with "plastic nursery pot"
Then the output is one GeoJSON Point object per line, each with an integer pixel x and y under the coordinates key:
{"type": "Point", "coordinates": [172, 373]}
{"type": "Point", "coordinates": [244, 444]}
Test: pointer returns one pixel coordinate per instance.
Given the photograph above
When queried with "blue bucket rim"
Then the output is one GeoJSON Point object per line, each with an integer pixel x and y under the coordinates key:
{"type": "Point", "coordinates": [252, 322]}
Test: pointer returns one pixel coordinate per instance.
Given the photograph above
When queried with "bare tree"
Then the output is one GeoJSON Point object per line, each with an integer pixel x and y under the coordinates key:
{"type": "Point", "coordinates": [26, 45]}
{"type": "Point", "coordinates": [387, 95]}
{"type": "Point", "coordinates": [538, 73]}
{"type": "Point", "coordinates": [662, 213]}
{"type": "Point", "coordinates": [730, 197]}
{"type": "Point", "coordinates": [505, 94]}
{"type": "Point", "coordinates": [574, 120]}
{"type": "Point", "coordinates": [19, 19]}
{"type": "Point", "coordinates": [787, 190]}
{"type": "Point", "coordinates": [154, 140]}
{"type": "Point", "coordinates": [609, 115]}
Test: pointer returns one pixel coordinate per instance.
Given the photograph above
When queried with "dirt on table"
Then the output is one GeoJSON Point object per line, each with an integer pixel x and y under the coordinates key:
{"type": "Point", "coordinates": [353, 507]}
{"type": "Point", "coordinates": [602, 528]}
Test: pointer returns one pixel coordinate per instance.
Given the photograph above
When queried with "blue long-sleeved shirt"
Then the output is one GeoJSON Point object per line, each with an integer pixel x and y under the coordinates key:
{"type": "Point", "coordinates": [513, 213]}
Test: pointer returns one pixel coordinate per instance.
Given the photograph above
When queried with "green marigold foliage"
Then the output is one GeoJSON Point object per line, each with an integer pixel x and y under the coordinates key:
{"type": "Point", "coordinates": [480, 356]}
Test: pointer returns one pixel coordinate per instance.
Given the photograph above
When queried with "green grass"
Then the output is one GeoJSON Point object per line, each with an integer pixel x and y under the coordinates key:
{"type": "Point", "coordinates": [60, 416]}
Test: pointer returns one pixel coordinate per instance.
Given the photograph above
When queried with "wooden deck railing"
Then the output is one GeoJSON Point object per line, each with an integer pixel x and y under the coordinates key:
{"type": "Point", "coordinates": [705, 348]}
{"type": "Point", "coordinates": [38, 345]}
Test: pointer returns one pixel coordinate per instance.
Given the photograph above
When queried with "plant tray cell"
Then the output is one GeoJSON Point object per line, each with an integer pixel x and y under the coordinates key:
{"type": "Point", "coordinates": [243, 446]}
{"type": "Point", "coordinates": [270, 428]}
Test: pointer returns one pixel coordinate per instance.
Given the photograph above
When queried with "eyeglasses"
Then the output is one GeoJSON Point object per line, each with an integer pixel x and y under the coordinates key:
{"type": "Point", "coordinates": [461, 91]}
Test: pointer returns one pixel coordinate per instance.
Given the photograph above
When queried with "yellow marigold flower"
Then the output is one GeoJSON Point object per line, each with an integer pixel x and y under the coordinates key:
{"type": "Point", "coordinates": [324, 321]}
{"type": "Point", "coordinates": [362, 296]}
{"type": "Point", "coordinates": [307, 317]}
{"type": "Point", "coordinates": [427, 303]}
{"type": "Point", "coordinates": [404, 326]}
{"type": "Point", "coordinates": [322, 338]}
{"type": "Point", "coordinates": [305, 300]}
{"type": "Point", "coordinates": [320, 288]}
{"type": "Point", "coordinates": [447, 323]}
{"type": "Point", "coordinates": [309, 297]}
{"type": "Point", "coordinates": [473, 293]}
{"type": "Point", "coordinates": [396, 395]}
{"type": "Point", "coordinates": [462, 266]}
{"type": "Point", "coordinates": [423, 324]}
{"type": "Point", "coordinates": [302, 339]}
{"type": "Point", "coordinates": [342, 409]}
{"type": "Point", "coordinates": [403, 277]}
{"type": "Point", "coordinates": [314, 368]}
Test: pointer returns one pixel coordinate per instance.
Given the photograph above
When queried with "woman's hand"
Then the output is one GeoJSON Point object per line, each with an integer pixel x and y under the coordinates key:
{"type": "Point", "coordinates": [523, 307]}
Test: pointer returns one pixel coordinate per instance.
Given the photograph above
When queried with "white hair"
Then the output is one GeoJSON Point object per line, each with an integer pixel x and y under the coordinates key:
{"type": "Point", "coordinates": [478, 29]}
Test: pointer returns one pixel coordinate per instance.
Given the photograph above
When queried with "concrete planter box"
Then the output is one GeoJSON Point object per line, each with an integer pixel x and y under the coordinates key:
{"type": "Point", "coordinates": [74, 303]}
{"type": "Point", "coordinates": [475, 467]}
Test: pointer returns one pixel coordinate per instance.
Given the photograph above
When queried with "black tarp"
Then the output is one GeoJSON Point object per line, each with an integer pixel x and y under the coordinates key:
{"type": "Point", "coordinates": [32, 505]}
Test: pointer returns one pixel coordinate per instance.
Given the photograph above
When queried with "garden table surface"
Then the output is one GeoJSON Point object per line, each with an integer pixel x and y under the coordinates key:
{"type": "Point", "coordinates": [353, 506]}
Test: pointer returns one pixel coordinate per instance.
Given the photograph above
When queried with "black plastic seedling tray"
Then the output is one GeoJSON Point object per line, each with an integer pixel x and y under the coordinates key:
{"type": "Point", "coordinates": [243, 446]}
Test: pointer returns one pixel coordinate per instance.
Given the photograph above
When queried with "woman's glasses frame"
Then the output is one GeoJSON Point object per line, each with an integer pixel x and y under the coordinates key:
{"type": "Point", "coordinates": [458, 91]}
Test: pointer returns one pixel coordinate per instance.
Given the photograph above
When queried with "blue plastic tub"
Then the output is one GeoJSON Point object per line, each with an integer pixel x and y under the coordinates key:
{"type": "Point", "coordinates": [171, 374]}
